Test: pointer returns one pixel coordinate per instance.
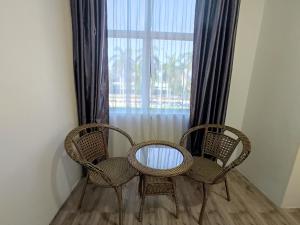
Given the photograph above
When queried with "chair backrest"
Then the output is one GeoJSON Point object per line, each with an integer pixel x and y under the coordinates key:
{"type": "Point", "coordinates": [88, 143]}
{"type": "Point", "coordinates": [220, 141]}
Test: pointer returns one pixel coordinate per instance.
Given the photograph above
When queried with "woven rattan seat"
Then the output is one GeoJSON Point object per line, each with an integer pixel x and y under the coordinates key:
{"type": "Point", "coordinates": [117, 169]}
{"type": "Point", "coordinates": [218, 144]}
{"type": "Point", "coordinates": [87, 145]}
{"type": "Point", "coordinates": [204, 170]}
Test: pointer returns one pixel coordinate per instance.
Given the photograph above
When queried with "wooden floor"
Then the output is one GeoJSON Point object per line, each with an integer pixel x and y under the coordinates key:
{"type": "Point", "coordinates": [247, 207]}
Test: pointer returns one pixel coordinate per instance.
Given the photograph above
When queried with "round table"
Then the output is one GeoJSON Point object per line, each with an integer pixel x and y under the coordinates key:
{"type": "Point", "coordinates": [160, 158]}
{"type": "Point", "coordinates": [157, 162]}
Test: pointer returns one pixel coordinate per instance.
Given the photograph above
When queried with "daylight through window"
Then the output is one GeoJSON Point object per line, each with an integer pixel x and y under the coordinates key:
{"type": "Point", "coordinates": [150, 45]}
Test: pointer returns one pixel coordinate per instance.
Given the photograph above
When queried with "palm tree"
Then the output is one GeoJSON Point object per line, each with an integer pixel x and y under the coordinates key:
{"type": "Point", "coordinates": [126, 72]}
{"type": "Point", "coordinates": [173, 72]}
{"type": "Point", "coordinates": [122, 67]}
{"type": "Point", "coordinates": [186, 61]}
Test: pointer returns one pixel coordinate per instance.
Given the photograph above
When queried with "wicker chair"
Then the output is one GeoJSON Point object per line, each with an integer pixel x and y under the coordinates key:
{"type": "Point", "coordinates": [218, 144]}
{"type": "Point", "coordinates": [86, 145]}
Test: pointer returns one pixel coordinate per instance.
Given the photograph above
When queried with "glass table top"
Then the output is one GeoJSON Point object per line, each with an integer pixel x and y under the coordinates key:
{"type": "Point", "coordinates": [159, 157]}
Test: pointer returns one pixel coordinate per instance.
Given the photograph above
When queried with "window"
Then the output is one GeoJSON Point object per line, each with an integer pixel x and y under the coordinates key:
{"type": "Point", "coordinates": [150, 54]}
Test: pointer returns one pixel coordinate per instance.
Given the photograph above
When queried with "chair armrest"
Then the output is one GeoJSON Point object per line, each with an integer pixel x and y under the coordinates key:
{"type": "Point", "coordinates": [96, 170]}
{"type": "Point", "coordinates": [119, 131]}
{"type": "Point", "coordinates": [233, 164]}
{"type": "Point", "coordinates": [188, 132]}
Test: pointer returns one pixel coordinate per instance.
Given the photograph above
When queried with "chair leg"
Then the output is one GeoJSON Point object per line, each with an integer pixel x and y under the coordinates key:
{"type": "Point", "coordinates": [203, 203]}
{"type": "Point", "coordinates": [175, 198]}
{"type": "Point", "coordinates": [176, 205]}
{"type": "Point", "coordinates": [140, 186]}
{"type": "Point", "coordinates": [118, 191]}
{"type": "Point", "coordinates": [227, 189]}
{"type": "Point", "coordinates": [140, 218]}
{"type": "Point", "coordinates": [83, 192]}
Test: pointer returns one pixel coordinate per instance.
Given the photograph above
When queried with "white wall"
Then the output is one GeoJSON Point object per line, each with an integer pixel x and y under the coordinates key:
{"type": "Point", "coordinates": [272, 118]}
{"type": "Point", "coordinates": [292, 195]}
{"type": "Point", "coordinates": [37, 110]}
{"type": "Point", "coordinates": [249, 24]}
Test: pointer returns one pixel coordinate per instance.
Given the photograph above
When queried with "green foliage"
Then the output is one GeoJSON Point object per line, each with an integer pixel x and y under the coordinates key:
{"type": "Point", "coordinates": [171, 73]}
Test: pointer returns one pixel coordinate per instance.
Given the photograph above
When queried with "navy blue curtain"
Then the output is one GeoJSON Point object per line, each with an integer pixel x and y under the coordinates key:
{"type": "Point", "coordinates": [89, 25]}
{"type": "Point", "coordinates": [214, 38]}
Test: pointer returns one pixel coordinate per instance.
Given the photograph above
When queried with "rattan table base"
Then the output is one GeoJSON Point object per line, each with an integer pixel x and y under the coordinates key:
{"type": "Point", "coordinates": [152, 185]}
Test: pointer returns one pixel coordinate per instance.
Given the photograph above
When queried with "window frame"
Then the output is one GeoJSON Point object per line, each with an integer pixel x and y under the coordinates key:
{"type": "Point", "coordinates": [147, 36]}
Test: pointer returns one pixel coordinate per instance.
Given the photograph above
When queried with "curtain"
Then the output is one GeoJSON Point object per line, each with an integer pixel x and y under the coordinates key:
{"type": "Point", "coordinates": [89, 24]}
{"type": "Point", "coordinates": [214, 38]}
{"type": "Point", "coordinates": [150, 46]}
{"type": "Point", "coordinates": [160, 157]}
{"type": "Point", "coordinates": [143, 127]}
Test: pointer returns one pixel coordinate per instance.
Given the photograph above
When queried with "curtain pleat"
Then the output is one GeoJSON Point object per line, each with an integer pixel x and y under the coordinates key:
{"type": "Point", "coordinates": [90, 59]}
{"type": "Point", "coordinates": [143, 127]}
{"type": "Point", "coordinates": [213, 49]}
{"type": "Point", "coordinates": [150, 46]}
{"type": "Point", "coordinates": [159, 157]}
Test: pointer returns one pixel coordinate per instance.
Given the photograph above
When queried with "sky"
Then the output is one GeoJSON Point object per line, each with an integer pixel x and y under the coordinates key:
{"type": "Point", "coordinates": [166, 15]}
{"type": "Point", "coordinates": [163, 16]}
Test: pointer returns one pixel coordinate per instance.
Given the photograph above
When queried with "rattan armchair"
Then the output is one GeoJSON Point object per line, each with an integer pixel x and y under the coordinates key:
{"type": "Point", "coordinates": [218, 144]}
{"type": "Point", "coordinates": [86, 145]}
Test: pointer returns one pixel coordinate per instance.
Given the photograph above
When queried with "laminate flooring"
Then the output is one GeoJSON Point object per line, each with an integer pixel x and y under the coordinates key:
{"type": "Point", "coordinates": [248, 206]}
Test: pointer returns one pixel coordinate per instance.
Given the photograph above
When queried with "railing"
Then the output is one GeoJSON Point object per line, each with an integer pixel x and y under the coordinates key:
{"type": "Point", "coordinates": [156, 102]}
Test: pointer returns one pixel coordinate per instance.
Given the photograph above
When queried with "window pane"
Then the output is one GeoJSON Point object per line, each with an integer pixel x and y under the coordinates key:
{"type": "Point", "coordinates": [125, 14]}
{"type": "Point", "coordinates": [150, 53]}
{"type": "Point", "coordinates": [171, 65]}
{"type": "Point", "coordinates": [125, 69]}
{"type": "Point", "coordinates": [173, 15]}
